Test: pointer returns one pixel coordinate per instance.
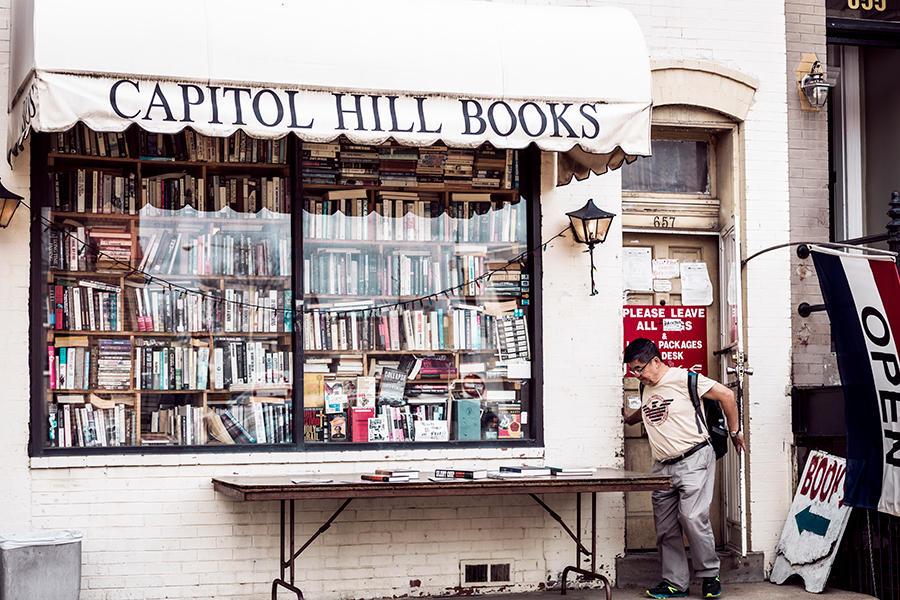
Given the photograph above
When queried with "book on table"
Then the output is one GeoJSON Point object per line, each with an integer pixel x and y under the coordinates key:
{"type": "Point", "coordinates": [305, 481]}
{"type": "Point", "coordinates": [411, 473]}
{"type": "Point", "coordinates": [526, 471]}
{"type": "Point", "coordinates": [460, 473]}
{"type": "Point", "coordinates": [384, 478]}
{"type": "Point", "coordinates": [572, 470]}
{"type": "Point", "coordinates": [507, 475]}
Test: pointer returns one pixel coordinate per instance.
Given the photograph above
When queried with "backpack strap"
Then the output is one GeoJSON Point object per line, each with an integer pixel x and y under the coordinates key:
{"type": "Point", "coordinates": [695, 400]}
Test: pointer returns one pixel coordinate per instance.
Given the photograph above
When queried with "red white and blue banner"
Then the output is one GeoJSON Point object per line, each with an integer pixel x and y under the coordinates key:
{"type": "Point", "coordinates": [862, 297]}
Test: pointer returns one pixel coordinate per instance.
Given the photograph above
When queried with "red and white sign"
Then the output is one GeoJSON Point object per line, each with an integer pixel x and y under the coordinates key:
{"type": "Point", "coordinates": [679, 331]}
{"type": "Point", "coordinates": [815, 524]}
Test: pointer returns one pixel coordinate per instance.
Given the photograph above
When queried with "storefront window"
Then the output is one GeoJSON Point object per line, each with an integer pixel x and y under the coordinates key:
{"type": "Point", "coordinates": [676, 167]}
{"type": "Point", "coordinates": [415, 324]}
{"type": "Point", "coordinates": [177, 315]}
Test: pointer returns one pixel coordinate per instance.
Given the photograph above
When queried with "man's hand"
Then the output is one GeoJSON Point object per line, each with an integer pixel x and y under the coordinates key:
{"type": "Point", "coordinates": [632, 418]}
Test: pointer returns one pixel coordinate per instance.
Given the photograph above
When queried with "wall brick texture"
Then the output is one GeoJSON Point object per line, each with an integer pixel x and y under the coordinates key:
{"type": "Point", "coordinates": [154, 528]}
{"type": "Point", "coordinates": [814, 362]}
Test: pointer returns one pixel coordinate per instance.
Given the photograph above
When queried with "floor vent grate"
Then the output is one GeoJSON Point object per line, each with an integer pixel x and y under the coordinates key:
{"type": "Point", "coordinates": [477, 573]}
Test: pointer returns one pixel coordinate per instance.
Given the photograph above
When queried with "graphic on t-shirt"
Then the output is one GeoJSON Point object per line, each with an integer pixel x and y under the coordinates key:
{"type": "Point", "coordinates": [656, 410]}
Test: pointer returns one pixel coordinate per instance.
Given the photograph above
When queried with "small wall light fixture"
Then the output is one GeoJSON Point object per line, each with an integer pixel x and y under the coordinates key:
{"type": "Point", "coordinates": [590, 226]}
{"type": "Point", "coordinates": [813, 85]}
{"type": "Point", "coordinates": [9, 202]}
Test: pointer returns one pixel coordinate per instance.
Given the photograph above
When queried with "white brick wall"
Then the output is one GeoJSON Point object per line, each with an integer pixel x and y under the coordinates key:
{"type": "Point", "coordinates": [15, 492]}
{"type": "Point", "coordinates": [750, 39]}
{"type": "Point", "coordinates": [155, 529]}
{"type": "Point", "coordinates": [814, 363]}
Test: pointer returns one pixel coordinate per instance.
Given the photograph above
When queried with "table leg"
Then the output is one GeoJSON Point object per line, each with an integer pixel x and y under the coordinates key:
{"type": "Point", "coordinates": [581, 550]}
{"type": "Point", "coordinates": [287, 538]}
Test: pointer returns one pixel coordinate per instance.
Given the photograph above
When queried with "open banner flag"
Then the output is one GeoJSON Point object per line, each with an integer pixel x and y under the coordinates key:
{"type": "Point", "coordinates": [862, 296]}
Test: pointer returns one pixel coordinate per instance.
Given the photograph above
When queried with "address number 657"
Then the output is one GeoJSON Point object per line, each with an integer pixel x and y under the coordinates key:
{"type": "Point", "coordinates": [666, 221]}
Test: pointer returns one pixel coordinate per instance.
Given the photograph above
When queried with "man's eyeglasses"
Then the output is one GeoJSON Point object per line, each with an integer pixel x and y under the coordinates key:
{"type": "Point", "coordinates": [640, 369]}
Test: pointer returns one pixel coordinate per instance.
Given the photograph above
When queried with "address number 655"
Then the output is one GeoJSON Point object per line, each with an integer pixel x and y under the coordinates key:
{"type": "Point", "coordinates": [878, 5]}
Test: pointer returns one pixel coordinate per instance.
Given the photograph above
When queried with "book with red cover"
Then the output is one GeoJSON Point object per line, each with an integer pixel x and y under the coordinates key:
{"type": "Point", "coordinates": [58, 308]}
{"type": "Point", "coordinates": [359, 423]}
{"type": "Point", "coordinates": [385, 478]}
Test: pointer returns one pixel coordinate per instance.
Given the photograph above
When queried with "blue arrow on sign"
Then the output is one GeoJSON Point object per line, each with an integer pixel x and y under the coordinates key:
{"type": "Point", "coordinates": [807, 521]}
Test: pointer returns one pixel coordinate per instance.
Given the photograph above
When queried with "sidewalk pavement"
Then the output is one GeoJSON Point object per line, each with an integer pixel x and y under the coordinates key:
{"type": "Point", "coordinates": [764, 590]}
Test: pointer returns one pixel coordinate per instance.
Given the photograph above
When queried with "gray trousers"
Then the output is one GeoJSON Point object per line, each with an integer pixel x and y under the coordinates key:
{"type": "Point", "coordinates": [684, 507]}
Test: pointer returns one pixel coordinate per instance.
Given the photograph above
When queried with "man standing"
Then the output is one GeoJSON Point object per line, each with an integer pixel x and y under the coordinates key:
{"type": "Point", "coordinates": [681, 449]}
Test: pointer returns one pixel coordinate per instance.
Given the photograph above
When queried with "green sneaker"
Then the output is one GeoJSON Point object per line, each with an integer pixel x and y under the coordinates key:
{"type": "Point", "coordinates": [712, 587]}
{"type": "Point", "coordinates": [664, 590]}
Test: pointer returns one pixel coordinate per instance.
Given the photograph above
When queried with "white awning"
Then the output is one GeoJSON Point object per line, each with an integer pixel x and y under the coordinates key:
{"type": "Point", "coordinates": [457, 71]}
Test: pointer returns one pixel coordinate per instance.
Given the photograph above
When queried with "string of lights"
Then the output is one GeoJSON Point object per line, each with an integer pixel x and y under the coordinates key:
{"type": "Point", "coordinates": [130, 271]}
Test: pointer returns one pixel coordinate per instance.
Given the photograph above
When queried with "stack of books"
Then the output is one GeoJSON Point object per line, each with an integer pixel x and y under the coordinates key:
{"type": "Point", "coordinates": [435, 367]}
{"type": "Point", "coordinates": [320, 163]}
{"type": "Point", "coordinates": [315, 364]}
{"type": "Point", "coordinates": [350, 365]}
{"type": "Point", "coordinates": [114, 364]}
{"type": "Point", "coordinates": [489, 166]}
{"type": "Point", "coordinates": [505, 279]}
{"type": "Point", "coordinates": [430, 168]}
{"type": "Point", "coordinates": [458, 168]}
{"type": "Point", "coordinates": [358, 164]}
{"type": "Point", "coordinates": [113, 246]}
{"type": "Point", "coordinates": [397, 165]}
{"type": "Point", "coordinates": [390, 475]}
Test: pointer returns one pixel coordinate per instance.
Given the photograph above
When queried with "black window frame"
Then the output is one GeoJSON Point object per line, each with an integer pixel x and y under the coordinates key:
{"type": "Point", "coordinates": [41, 193]}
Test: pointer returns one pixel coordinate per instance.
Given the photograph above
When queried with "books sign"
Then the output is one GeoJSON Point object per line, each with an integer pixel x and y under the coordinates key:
{"type": "Point", "coordinates": [167, 105]}
{"type": "Point", "coordinates": [679, 331]}
{"type": "Point", "coordinates": [815, 524]}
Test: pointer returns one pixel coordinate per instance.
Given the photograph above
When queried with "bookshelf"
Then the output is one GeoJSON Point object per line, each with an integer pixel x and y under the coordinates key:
{"type": "Point", "coordinates": [190, 284]}
{"type": "Point", "coordinates": [168, 275]}
{"type": "Point", "coordinates": [403, 332]}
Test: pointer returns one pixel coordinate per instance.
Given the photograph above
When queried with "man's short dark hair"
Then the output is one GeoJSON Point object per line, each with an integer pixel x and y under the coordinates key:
{"type": "Point", "coordinates": [641, 350]}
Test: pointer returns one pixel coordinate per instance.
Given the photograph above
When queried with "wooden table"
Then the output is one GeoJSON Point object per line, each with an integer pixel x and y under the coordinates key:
{"type": "Point", "coordinates": [350, 487]}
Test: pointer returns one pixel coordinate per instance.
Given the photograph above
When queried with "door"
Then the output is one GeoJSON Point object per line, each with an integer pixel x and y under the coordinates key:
{"type": "Point", "coordinates": [640, 533]}
{"type": "Point", "coordinates": [733, 364]}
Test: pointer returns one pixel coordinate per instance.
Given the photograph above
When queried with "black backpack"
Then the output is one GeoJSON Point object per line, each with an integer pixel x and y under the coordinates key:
{"type": "Point", "coordinates": [714, 418]}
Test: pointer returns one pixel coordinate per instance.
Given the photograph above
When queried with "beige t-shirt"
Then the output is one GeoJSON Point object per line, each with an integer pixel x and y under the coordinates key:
{"type": "Point", "coordinates": [669, 416]}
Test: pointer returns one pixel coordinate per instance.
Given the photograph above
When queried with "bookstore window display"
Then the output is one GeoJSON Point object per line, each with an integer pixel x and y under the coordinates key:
{"type": "Point", "coordinates": [405, 336]}
{"type": "Point", "coordinates": [168, 270]}
{"type": "Point", "coordinates": [169, 293]}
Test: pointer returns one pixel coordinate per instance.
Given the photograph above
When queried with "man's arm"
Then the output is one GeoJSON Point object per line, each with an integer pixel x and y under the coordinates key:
{"type": "Point", "coordinates": [633, 418]}
{"type": "Point", "coordinates": [726, 400]}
